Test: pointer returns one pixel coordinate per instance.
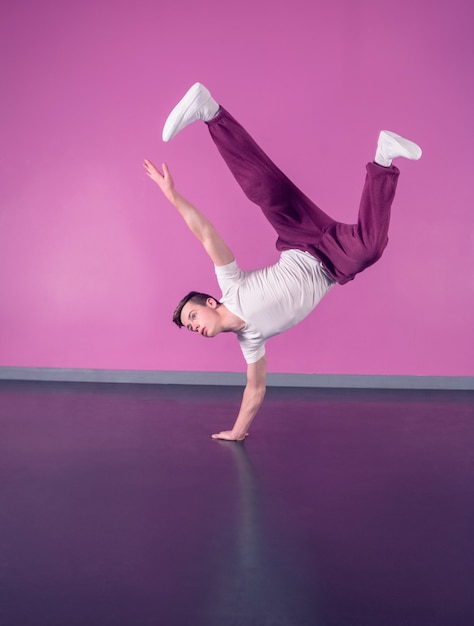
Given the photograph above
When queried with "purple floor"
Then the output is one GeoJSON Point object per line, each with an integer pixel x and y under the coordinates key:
{"type": "Point", "coordinates": [343, 508]}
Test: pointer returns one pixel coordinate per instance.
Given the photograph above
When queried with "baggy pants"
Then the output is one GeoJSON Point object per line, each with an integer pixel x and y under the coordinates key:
{"type": "Point", "coordinates": [344, 249]}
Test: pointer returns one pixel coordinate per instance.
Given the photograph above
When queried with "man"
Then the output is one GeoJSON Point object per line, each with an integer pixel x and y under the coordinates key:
{"type": "Point", "coordinates": [316, 251]}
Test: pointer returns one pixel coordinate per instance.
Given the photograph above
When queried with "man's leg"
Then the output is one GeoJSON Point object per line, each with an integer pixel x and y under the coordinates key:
{"type": "Point", "coordinates": [295, 218]}
{"type": "Point", "coordinates": [298, 221]}
{"type": "Point", "coordinates": [347, 250]}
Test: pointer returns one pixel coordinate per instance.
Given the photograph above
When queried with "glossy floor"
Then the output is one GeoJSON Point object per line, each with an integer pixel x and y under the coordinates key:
{"type": "Point", "coordinates": [343, 508]}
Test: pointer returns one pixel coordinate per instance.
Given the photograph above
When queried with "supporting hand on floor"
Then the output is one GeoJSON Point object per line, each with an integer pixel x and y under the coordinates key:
{"type": "Point", "coordinates": [228, 435]}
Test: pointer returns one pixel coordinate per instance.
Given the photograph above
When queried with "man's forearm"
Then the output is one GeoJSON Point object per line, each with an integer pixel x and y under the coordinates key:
{"type": "Point", "coordinates": [197, 223]}
{"type": "Point", "coordinates": [252, 399]}
{"type": "Point", "coordinates": [251, 402]}
{"type": "Point", "coordinates": [202, 229]}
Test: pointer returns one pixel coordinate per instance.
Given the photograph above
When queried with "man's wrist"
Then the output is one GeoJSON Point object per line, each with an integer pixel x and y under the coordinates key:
{"type": "Point", "coordinates": [238, 435]}
{"type": "Point", "coordinates": [171, 196]}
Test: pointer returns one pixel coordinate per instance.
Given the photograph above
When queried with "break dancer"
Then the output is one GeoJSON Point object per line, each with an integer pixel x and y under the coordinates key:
{"type": "Point", "coordinates": [316, 250]}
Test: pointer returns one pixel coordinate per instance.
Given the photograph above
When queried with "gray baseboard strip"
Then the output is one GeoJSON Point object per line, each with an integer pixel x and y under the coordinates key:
{"type": "Point", "coordinates": [236, 378]}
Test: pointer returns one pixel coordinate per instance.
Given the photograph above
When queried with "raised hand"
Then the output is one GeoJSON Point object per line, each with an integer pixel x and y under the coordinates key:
{"type": "Point", "coordinates": [164, 181]}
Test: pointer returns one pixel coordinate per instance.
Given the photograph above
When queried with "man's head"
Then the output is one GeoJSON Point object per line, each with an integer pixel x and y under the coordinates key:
{"type": "Point", "coordinates": [198, 313]}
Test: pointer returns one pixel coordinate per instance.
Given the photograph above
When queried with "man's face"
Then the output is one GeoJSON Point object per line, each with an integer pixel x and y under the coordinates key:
{"type": "Point", "coordinates": [202, 319]}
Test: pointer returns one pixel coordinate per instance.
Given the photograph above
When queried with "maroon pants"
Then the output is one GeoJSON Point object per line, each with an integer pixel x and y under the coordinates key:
{"type": "Point", "coordinates": [344, 249]}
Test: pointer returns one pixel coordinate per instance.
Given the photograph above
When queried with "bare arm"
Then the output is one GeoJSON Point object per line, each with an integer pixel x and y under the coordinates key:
{"type": "Point", "coordinates": [197, 223]}
{"type": "Point", "coordinates": [251, 401]}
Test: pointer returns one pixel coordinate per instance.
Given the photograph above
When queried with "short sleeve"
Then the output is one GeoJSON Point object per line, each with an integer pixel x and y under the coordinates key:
{"type": "Point", "coordinates": [228, 276]}
{"type": "Point", "coordinates": [252, 352]}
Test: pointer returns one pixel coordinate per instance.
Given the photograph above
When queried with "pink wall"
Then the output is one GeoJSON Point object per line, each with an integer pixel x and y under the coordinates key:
{"type": "Point", "coordinates": [92, 260]}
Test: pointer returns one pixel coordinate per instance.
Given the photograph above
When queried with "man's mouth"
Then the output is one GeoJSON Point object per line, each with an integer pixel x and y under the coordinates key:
{"type": "Point", "coordinates": [204, 332]}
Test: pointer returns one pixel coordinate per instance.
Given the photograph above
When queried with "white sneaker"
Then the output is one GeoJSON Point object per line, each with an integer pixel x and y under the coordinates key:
{"type": "Point", "coordinates": [197, 104]}
{"type": "Point", "coordinates": [390, 146]}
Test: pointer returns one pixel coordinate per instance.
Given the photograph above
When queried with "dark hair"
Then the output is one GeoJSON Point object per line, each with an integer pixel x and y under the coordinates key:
{"type": "Point", "coordinates": [194, 296]}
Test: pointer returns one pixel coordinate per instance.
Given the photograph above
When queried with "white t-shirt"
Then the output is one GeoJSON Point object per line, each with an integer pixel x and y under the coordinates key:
{"type": "Point", "coordinates": [272, 299]}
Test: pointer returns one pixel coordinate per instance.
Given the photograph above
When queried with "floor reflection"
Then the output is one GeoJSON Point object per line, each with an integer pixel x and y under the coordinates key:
{"type": "Point", "coordinates": [252, 581]}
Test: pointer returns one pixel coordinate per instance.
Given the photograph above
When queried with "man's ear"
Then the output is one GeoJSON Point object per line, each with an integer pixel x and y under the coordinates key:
{"type": "Point", "coordinates": [211, 303]}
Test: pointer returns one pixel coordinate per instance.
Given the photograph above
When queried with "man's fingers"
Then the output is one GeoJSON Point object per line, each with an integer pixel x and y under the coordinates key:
{"type": "Point", "coordinates": [222, 436]}
{"type": "Point", "coordinates": [151, 170]}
